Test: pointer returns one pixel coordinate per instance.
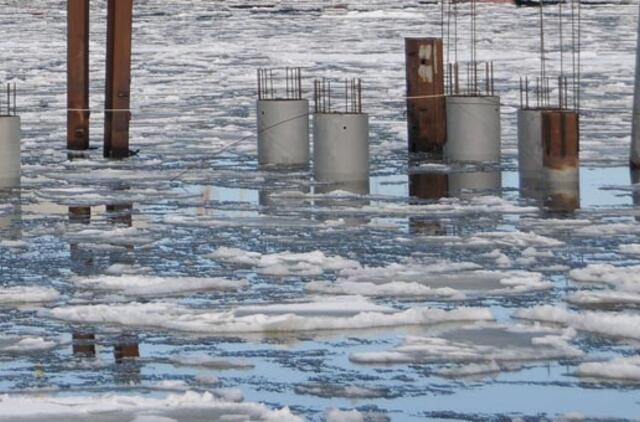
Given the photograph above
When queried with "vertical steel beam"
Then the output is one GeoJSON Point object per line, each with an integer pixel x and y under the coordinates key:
{"type": "Point", "coordinates": [426, 108]}
{"type": "Point", "coordinates": [118, 81]}
{"type": "Point", "coordinates": [78, 74]}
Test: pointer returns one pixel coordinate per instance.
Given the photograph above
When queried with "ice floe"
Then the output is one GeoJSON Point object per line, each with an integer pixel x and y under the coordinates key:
{"type": "Point", "coordinates": [185, 406]}
{"type": "Point", "coordinates": [131, 285]}
{"type": "Point", "coordinates": [615, 324]}
{"type": "Point", "coordinates": [443, 280]}
{"type": "Point", "coordinates": [482, 348]}
{"type": "Point", "coordinates": [284, 263]}
{"type": "Point", "coordinates": [344, 313]}
{"type": "Point", "coordinates": [27, 294]}
{"type": "Point", "coordinates": [622, 369]}
{"type": "Point", "coordinates": [207, 361]}
{"type": "Point", "coordinates": [25, 344]}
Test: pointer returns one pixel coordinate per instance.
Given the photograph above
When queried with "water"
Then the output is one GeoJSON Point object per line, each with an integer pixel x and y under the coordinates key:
{"type": "Point", "coordinates": [168, 214]}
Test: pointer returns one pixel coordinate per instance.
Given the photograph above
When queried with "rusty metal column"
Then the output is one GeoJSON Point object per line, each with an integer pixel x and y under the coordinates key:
{"type": "Point", "coordinates": [426, 109]}
{"type": "Point", "coordinates": [118, 81]}
{"type": "Point", "coordinates": [561, 149]}
{"type": "Point", "coordinates": [78, 74]}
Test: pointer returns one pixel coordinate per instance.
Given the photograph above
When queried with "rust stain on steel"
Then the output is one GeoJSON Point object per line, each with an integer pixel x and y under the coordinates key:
{"type": "Point", "coordinates": [78, 74]}
{"type": "Point", "coordinates": [560, 139]}
{"type": "Point", "coordinates": [118, 81]}
{"type": "Point", "coordinates": [426, 106]}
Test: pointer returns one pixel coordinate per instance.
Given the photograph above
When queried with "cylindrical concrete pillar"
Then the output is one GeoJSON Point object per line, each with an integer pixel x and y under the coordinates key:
{"type": "Point", "coordinates": [473, 126]}
{"type": "Point", "coordinates": [530, 149]}
{"type": "Point", "coordinates": [9, 152]}
{"type": "Point", "coordinates": [283, 132]}
{"type": "Point", "coordinates": [340, 147]}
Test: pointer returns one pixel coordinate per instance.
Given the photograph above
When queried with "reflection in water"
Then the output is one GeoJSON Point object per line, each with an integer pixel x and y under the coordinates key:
{"type": "Point", "coordinates": [436, 186]}
{"type": "Point", "coordinates": [10, 216]}
{"type": "Point", "coordinates": [466, 185]}
{"type": "Point", "coordinates": [83, 261]}
{"type": "Point", "coordinates": [635, 179]}
{"type": "Point", "coordinates": [428, 187]}
{"type": "Point", "coordinates": [84, 345]}
{"type": "Point", "coordinates": [359, 190]}
{"type": "Point", "coordinates": [557, 192]}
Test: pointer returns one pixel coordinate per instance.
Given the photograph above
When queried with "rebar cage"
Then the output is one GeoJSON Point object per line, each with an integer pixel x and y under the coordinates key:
{"type": "Point", "coordinates": [280, 83]}
{"type": "Point", "coordinates": [328, 96]}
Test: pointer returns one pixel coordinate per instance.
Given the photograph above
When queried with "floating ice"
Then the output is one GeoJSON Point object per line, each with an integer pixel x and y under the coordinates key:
{"type": "Point", "coordinates": [211, 362]}
{"type": "Point", "coordinates": [618, 324]}
{"type": "Point", "coordinates": [129, 236]}
{"type": "Point", "coordinates": [284, 263]}
{"type": "Point", "coordinates": [131, 285]}
{"type": "Point", "coordinates": [623, 369]}
{"type": "Point", "coordinates": [623, 284]}
{"type": "Point", "coordinates": [335, 415]}
{"type": "Point", "coordinates": [347, 313]}
{"type": "Point", "coordinates": [25, 294]}
{"type": "Point", "coordinates": [25, 344]}
{"type": "Point", "coordinates": [444, 280]}
{"type": "Point", "coordinates": [478, 349]}
{"type": "Point", "coordinates": [187, 406]}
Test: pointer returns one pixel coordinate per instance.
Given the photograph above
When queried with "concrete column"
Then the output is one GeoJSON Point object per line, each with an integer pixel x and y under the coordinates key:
{"type": "Point", "coordinates": [283, 132]}
{"type": "Point", "coordinates": [340, 148]}
{"type": "Point", "coordinates": [530, 150]}
{"type": "Point", "coordinates": [10, 169]}
{"type": "Point", "coordinates": [426, 113]}
{"type": "Point", "coordinates": [473, 129]}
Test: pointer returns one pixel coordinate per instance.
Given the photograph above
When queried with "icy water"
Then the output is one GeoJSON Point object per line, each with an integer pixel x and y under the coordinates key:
{"type": "Point", "coordinates": [188, 284]}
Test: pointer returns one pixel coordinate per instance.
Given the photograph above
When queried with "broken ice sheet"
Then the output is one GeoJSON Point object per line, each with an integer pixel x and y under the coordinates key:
{"type": "Point", "coordinates": [619, 325]}
{"type": "Point", "coordinates": [191, 406]}
{"type": "Point", "coordinates": [478, 349]}
{"type": "Point", "coordinates": [437, 280]}
{"type": "Point", "coordinates": [131, 285]}
{"type": "Point", "coordinates": [344, 313]}
{"type": "Point", "coordinates": [24, 295]}
{"type": "Point", "coordinates": [619, 285]}
{"type": "Point", "coordinates": [622, 369]}
{"type": "Point", "coordinates": [284, 263]}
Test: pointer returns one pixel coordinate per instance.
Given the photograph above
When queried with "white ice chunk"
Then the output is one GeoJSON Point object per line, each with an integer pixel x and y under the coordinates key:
{"type": "Point", "coordinates": [129, 407]}
{"type": "Point", "coordinates": [284, 263]}
{"type": "Point", "coordinates": [618, 324]}
{"type": "Point", "coordinates": [150, 286]}
{"type": "Point", "coordinates": [623, 369]}
{"type": "Point", "coordinates": [348, 313]}
{"type": "Point", "coordinates": [487, 344]}
{"type": "Point", "coordinates": [27, 294]}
